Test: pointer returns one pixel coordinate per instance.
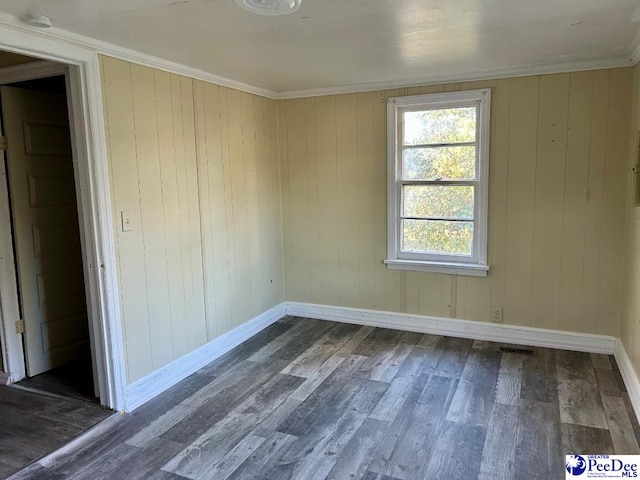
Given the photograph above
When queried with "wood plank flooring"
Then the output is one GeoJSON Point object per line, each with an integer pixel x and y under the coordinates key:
{"type": "Point", "coordinates": [33, 425]}
{"type": "Point", "coordinates": [310, 399]}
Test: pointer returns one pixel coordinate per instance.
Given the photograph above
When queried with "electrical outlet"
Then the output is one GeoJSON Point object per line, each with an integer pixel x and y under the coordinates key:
{"type": "Point", "coordinates": [496, 314]}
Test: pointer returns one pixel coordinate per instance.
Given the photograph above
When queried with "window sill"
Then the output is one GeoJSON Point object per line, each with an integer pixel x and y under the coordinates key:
{"type": "Point", "coordinates": [471, 269]}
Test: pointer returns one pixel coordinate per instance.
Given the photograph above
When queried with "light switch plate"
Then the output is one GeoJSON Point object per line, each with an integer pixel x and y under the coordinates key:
{"type": "Point", "coordinates": [127, 220]}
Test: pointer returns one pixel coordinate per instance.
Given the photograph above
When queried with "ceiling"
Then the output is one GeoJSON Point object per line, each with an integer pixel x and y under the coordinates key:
{"type": "Point", "coordinates": [341, 43]}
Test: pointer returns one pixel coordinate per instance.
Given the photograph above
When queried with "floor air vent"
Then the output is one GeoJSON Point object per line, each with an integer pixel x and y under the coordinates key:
{"type": "Point", "coordinates": [519, 351]}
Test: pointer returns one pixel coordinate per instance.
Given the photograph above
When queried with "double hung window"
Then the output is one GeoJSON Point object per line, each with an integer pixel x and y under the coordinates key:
{"type": "Point", "coordinates": [438, 147]}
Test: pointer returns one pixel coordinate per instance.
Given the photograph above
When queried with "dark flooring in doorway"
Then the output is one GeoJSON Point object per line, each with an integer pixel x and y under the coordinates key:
{"type": "Point", "coordinates": [33, 425]}
{"type": "Point", "coordinates": [74, 380]}
{"type": "Point", "coordinates": [309, 399]}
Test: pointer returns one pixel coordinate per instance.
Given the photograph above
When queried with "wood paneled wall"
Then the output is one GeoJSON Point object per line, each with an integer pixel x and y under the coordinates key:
{"type": "Point", "coordinates": [559, 149]}
{"type": "Point", "coordinates": [630, 320]}
{"type": "Point", "coordinates": [197, 166]}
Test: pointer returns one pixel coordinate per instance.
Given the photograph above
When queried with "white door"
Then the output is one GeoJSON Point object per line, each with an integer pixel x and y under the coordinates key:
{"type": "Point", "coordinates": [45, 221]}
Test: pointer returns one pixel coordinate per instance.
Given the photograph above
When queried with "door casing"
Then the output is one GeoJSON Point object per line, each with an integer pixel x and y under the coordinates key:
{"type": "Point", "coordinates": [81, 68]}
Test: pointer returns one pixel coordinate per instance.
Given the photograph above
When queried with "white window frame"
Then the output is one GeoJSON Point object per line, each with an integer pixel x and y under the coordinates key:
{"type": "Point", "coordinates": [476, 264]}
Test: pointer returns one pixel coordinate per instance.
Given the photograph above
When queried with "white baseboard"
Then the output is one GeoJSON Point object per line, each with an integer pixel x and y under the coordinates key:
{"type": "Point", "coordinates": [537, 337]}
{"type": "Point", "coordinates": [155, 383]}
{"type": "Point", "coordinates": [629, 376]}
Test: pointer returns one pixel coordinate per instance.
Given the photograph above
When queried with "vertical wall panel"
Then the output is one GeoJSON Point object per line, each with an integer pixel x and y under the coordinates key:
{"type": "Point", "coordinates": [328, 270]}
{"type": "Point", "coordinates": [385, 298]}
{"type": "Point", "coordinates": [183, 329]}
{"type": "Point", "coordinates": [253, 212]}
{"type": "Point", "coordinates": [412, 293]}
{"type": "Point", "coordinates": [118, 103]}
{"type": "Point", "coordinates": [615, 176]}
{"type": "Point", "coordinates": [152, 218]}
{"type": "Point", "coordinates": [203, 189]}
{"type": "Point", "coordinates": [171, 211]}
{"type": "Point", "coordinates": [551, 152]}
{"type": "Point", "coordinates": [261, 214]}
{"type": "Point", "coordinates": [193, 237]}
{"type": "Point", "coordinates": [312, 196]}
{"type": "Point", "coordinates": [498, 189]}
{"type": "Point", "coordinates": [242, 286]}
{"type": "Point", "coordinates": [553, 167]}
{"type": "Point", "coordinates": [283, 129]}
{"type": "Point", "coordinates": [347, 177]}
{"type": "Point", "coordinates": [197, 165]}
{"type": "Point", "coordinates": [366, 237]}
{"type": "Point", "coordinates": [299, 209]}
{"type": "Point", "coordinates": [595, 198]}
{"type": "Point", "coordinates": [435, 294]}
{"type": "Point", "coordinates": [523, 138]}
{"type": "Point", "coordinates": [575, 200]}
{"type": "Point", "coordinates": [227, 323]}
{"type": "Point", "coordinates": [270, 225]}
{"type": "Point", "coordinates": [236, 201]}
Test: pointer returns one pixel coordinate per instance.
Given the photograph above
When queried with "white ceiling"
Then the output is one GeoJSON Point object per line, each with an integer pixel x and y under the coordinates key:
{"type": "Point", "coordinates": [338, 43]}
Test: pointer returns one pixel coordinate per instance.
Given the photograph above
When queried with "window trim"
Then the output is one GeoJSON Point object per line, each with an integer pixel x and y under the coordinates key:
{"type": "Point", "coordinates": [476, 265]}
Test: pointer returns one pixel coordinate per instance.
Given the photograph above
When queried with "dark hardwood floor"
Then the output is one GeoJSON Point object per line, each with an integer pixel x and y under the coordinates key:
{"type": "Point", "coordinates": [309, 399]}
{"type": "Point", "coordinates": [33, 425]}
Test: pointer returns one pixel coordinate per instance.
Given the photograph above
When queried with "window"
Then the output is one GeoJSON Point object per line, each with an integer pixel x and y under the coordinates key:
{"type": "Point", "coordinates": [438, 158]}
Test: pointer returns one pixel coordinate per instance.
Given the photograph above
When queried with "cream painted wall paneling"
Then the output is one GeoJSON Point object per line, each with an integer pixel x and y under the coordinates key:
{"type": "Point", "coordinates": [240, 204]}
{"type": "Point", "coordinates": [557, 174]}
{"type": "Point", "coordinates": [197, 167]}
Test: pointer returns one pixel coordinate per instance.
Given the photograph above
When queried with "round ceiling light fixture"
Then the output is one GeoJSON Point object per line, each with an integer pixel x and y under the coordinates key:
{"type": "Point", "coordinates": [38, 20]}
{"type": "Point", "coordinates": [269, 7]}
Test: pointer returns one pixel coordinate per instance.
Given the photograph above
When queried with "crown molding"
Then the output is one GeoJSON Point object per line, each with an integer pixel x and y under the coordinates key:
{"type": "Point", "coordinates": [494, 74]}
{"type": "Point", "coordinates": [104, 48]}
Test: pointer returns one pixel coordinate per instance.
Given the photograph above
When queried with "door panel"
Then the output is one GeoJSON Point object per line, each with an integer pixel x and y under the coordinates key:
{"type": "Point", "coordinates": [46, 235]}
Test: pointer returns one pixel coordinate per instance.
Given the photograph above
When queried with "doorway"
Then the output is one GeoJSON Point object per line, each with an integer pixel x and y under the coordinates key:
{"type": "Point", "coordinates": [46, 237]}
{"type": "Point", "coordinates": [56, 54]}
{"type": "Point", "coordinates": [48, 318]}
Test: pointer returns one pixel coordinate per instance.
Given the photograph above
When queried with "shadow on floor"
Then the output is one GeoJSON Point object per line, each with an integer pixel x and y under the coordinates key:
{"type": "Point", "coordinates": [74, 380]}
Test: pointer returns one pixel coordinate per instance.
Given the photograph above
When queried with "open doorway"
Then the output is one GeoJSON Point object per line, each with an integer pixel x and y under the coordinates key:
{"type": "Point", "coordinates": [48, 353]}
{"type": "Point", "coordinates": [46, 237]}
{"type": "Point", "coordinates": [52, 348]}
{"type": "Point", "coordinates": [48, 56]}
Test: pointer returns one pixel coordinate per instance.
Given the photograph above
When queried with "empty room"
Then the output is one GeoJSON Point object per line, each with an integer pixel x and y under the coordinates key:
{"type": "Point", "coordinates": [319, 239]}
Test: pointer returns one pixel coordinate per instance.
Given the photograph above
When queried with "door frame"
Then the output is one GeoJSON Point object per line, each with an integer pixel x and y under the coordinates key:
{"type": "Point", "coordinates": [14, 355]}
{"type": "Point", "coordinates": [97, 230]}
